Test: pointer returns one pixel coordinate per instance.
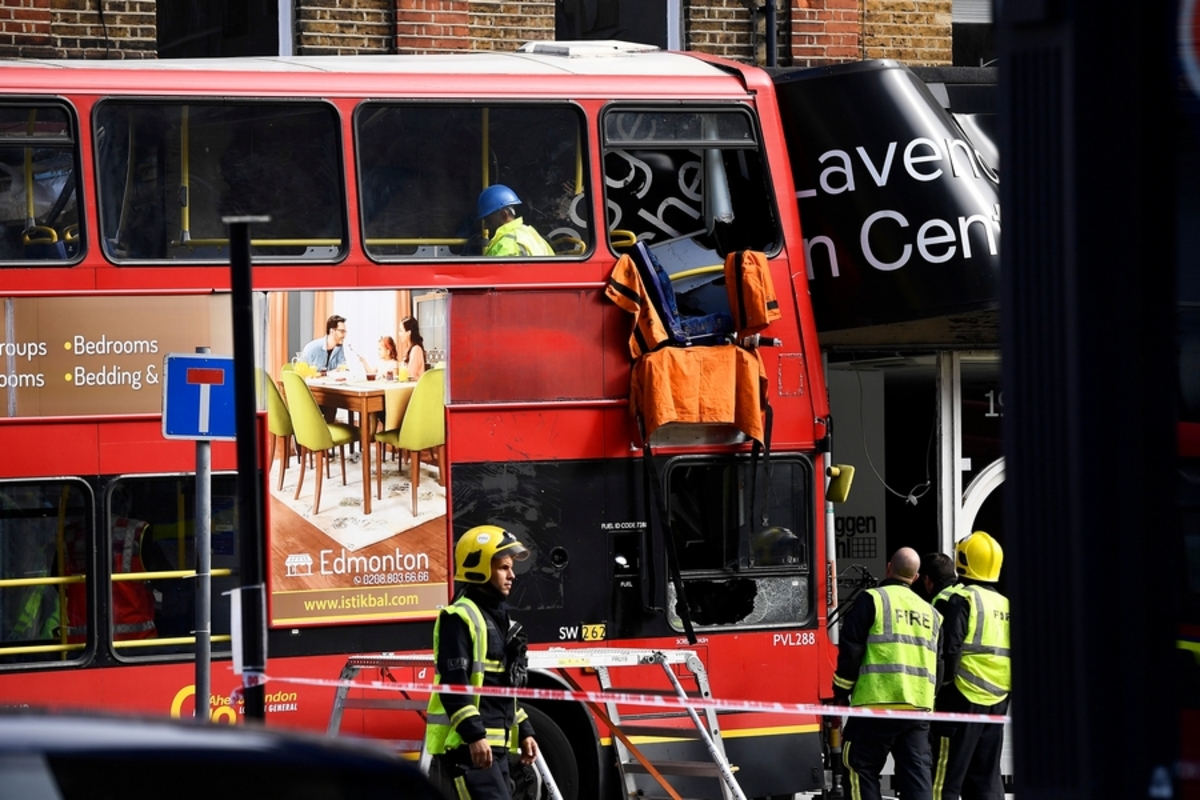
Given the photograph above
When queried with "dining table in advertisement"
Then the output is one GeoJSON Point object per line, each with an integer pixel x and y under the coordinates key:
{"type": "Point", "coordinates": [364, 399]}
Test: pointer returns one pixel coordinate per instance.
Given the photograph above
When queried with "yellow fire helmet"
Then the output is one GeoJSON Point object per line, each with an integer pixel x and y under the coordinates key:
{"type": "Point", "coordinates": [978, 556]}
{"type": "Point", "coordinates": [775, 547]}
{"type": "Point", "coordinates": [475, 550]}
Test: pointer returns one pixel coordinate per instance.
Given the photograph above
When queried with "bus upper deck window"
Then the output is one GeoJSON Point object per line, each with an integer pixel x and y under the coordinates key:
{"type": "Point", "coordinates": [39, 194]}
{"type": "Point", "coordinates": [168, 172]}
{"type": "Point", "coordinates": [690, 183]}
{"type": "Point", "coordinates": [422, 168]}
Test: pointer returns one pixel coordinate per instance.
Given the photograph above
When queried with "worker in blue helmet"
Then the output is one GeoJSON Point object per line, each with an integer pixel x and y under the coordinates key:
{"type": "Point", "coordinates": [511, 237]}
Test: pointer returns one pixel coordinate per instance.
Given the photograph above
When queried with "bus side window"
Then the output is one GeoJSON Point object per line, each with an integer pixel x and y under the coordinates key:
{"type": "Point", "coordinates": [743, 541]}
{"type": "Point", "coordinates": [423, 166]}
{"type": "Point", "coordinates": [168, 172]}
{"type": "Point", "coordinates": [39, 213]}
{"type": "Point", "coordinates": [152, 529]}
{"type": "Point", "coordinates": [44, 546]}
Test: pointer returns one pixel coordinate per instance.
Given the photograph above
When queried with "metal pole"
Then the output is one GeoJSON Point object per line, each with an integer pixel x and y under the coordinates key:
{"type": "Point", "coordinates": [203, 575]}
{"type": "Point", "coordinates": [547, 777]}
{"type": "Point", "coordinates": [249, 481]}
{"type": "Point", "coordinates": [831, 567]}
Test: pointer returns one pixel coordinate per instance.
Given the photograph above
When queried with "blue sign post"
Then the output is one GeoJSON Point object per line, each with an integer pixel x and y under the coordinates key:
{"type": "Point", "coordinates": [198, 403]}
{"type": "Point", "coordinates": [198, 397]}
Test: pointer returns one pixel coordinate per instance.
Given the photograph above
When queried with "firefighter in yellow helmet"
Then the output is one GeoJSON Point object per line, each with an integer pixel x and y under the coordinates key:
{"type": "Point", "coordinates": [888, 658]}
{"type": "Point", "coordinates": [476, 643]}
{"type": "Point", "coordinates": [966, 755]}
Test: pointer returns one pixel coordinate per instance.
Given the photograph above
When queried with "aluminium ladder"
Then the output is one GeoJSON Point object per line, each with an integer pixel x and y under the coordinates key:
{"type": "Point", "coordinates": [639, 774]}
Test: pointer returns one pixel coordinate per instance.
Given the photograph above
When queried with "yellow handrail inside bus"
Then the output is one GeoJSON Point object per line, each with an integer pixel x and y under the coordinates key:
{"type": "Point", "coordinates": [30, 213]}
{"type": "Point", "coordinates": [167, 642]}
{"type": "Point", "coordinates": [56, 580]}
{"type": "Point", "coordinates": [164, 574]}
{"type": "Point", "coordinates": [689, 273]}
{"type": "Point", "coordinates": [486, 140]}
{"type": "Point", "coordinates": [66, 648]}
{"type": "Point", "coordinates": [220, 241]}
{"type": "Point", "coordinates": [577, 245]}
{"type": "Point", "coordinates": [41, 648]}
{"type": "Point", "coordinates": [620, 238]}
{"type": "Point", "coordinates": [415, 242]}
{"type": "Point", "coordinates": [60, 545]}
{"type": "Point", "coordinates": [185, 166]}
{"type": "Point", "coordinates": [62, 580]}
{"type": "Point", "coordinates": [39, 234]}
{"type": "Point", "coordinates": [578, 163]}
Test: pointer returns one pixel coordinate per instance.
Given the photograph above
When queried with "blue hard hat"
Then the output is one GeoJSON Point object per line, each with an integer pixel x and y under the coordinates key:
{"type": "Point", "coordinates": [494, 198]}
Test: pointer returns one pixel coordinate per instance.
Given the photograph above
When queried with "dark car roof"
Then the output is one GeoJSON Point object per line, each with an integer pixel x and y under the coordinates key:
{"type": "Point", "coordinates": [72, 756]}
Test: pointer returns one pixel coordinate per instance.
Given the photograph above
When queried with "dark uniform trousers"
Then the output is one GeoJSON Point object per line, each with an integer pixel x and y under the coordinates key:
{"type": "Point", "coordinates": [966, 755]}
{"type": "Point", "coordinates": [865, 749]}
{"type": "Point", "coordinates": [459, 779]}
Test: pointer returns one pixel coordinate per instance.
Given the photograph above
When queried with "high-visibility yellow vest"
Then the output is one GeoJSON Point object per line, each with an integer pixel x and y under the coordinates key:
{"type": "Point", "coordinates": [515, 238]}
{"type": "Point", "coordinates": [39, 617]}
{"type": "Point", "coordinates": [899, 667]}
{"type": "Point", "coordinates": [984, 674]}
{"type": "Point", "coordinates": [441, 730]}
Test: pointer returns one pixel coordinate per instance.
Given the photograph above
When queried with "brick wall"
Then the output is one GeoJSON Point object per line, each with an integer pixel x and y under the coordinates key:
{"type": "Point", "coordinates": [345, 27]}
{"type": "Point", "coordinates": [507, 24]}
{"type": "Point", "coordinates": [811, 32]}
{"type": "Point", "coordinates": [25, 29]}
{"type": "Point", "coordinates": [720, 28]}
{"type": "Point", "coordinates": [916, 32]}
{"type": "Point", "coordinates": [125, 29]}
{"type": "Point", "coordinates": [76, 29]}
{"type": "Point", "coordinates": [825, 32]}
{"type": "Point", "coordinates": [432, 26]}
{"type": "Point", "coordinates": [420, 26]}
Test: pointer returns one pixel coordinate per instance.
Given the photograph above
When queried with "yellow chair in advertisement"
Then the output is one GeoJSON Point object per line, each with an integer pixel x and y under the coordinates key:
{"type": "Point", "coordinates": [313, 433]}
{"type": "Point", "coordinates": [423, 427]}
{"type": "Point", "coordinates": [279, 421]}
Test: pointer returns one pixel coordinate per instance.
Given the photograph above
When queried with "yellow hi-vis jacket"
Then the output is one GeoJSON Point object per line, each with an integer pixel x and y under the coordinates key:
{"type": "Point", "coordinates": [515, 238]}
{"type": "Point", "coordinates": [984, 674]}
{"type": "Point", "coordinates": [441, 730]}
{"type": "Point", "coordinates": [900, 662]}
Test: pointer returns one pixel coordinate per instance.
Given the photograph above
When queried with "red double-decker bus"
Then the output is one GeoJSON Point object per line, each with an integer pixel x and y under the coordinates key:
{"type": "Point", "coordinates": [531, 412]}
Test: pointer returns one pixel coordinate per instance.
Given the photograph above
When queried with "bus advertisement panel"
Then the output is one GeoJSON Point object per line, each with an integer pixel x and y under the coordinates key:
{"type": "Point", "coordinates": [101, 356]}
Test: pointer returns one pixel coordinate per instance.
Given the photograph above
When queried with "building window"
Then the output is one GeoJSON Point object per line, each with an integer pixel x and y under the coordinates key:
{"type": "Point", "coordinates": [974, 42]}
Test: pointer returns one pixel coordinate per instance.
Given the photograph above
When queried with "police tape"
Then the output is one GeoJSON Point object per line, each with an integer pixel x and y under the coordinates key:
{"type": "Point", "coordinates": [650, 700]}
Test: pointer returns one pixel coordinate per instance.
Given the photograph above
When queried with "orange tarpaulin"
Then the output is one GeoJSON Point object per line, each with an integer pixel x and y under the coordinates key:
{"type": "Point", "coordinates": [723, 384]}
